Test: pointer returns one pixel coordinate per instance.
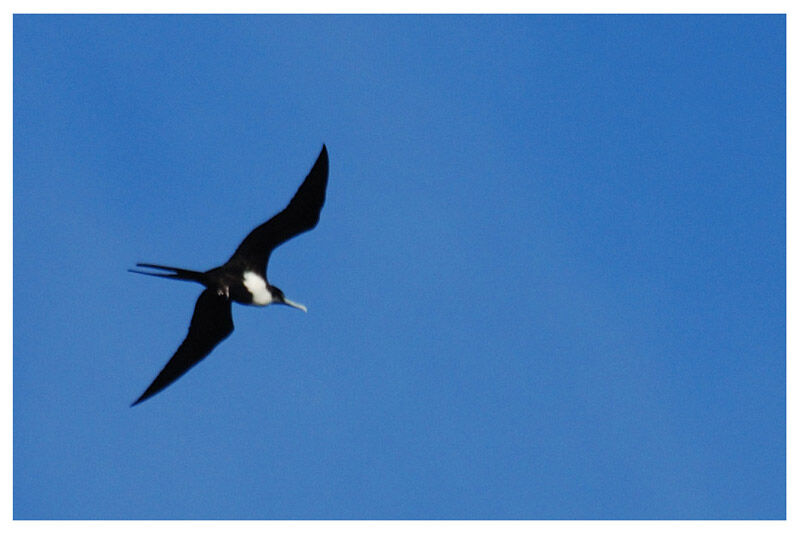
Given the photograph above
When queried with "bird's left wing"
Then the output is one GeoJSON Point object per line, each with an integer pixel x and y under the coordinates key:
{"type": "Point", "coordinates": [211, 323]}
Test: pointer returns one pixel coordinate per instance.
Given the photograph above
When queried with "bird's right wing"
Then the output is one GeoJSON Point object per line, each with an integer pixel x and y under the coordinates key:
{"type": "Point", "coordinates": [211, 323]}
{"type": "Point", "coordinates": [301, 215]}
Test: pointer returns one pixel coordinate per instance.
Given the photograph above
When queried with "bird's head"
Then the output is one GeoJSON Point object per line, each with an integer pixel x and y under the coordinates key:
{"type": "Point", "coordinates": [279, 298]}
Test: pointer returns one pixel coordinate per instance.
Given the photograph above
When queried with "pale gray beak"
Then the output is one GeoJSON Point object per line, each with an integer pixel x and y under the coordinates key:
{"type": "Point", "coordinates": [294, 304]}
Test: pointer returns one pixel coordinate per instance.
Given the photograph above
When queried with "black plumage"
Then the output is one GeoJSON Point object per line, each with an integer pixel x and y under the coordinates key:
{"type": "Point", "coordinates": [243, 278]}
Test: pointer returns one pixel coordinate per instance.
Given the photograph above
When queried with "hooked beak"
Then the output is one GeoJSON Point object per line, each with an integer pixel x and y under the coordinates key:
{"type": "Point", "coordinates": [294, 304]}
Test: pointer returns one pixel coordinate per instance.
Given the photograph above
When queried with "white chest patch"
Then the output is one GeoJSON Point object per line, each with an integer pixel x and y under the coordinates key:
{"type": "Point", "coordinates": [257, 287]}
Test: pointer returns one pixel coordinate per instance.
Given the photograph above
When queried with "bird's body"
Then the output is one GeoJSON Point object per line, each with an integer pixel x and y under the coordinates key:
{"type": "Point", "coordinates": [256, 290]}
{"type": "Point", "coordinates": [242, 279]}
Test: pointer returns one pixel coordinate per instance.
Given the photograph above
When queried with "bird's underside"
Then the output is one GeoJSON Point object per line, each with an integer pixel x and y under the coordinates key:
{"type": "Point", "coordinates": [241, 279]}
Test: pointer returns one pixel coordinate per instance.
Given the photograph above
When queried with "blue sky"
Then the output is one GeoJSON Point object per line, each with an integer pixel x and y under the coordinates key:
{"type": "Point", "coordinates": [548, 281]}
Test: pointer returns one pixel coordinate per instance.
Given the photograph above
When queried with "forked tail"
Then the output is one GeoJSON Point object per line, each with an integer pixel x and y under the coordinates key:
{"type": "Point", "coordinates": [176, 274]}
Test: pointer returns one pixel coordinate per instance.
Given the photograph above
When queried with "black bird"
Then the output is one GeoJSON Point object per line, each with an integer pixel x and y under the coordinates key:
{"type": "Point", "coordinates": [243, 278]}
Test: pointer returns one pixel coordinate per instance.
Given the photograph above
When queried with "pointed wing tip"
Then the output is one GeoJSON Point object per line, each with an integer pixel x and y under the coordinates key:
{"type": "Point", "coordinates": [320, 168]}
{"type": "Point", "coordinates": [143, 397]}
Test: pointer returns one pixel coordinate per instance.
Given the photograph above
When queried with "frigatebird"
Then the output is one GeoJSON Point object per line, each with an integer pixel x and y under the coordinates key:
{"type": "Point", "coordinates": [242, 279]}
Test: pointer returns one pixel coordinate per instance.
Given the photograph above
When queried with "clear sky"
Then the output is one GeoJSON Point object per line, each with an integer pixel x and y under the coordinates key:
{"type": "Point", "coordinates": [548, 281]}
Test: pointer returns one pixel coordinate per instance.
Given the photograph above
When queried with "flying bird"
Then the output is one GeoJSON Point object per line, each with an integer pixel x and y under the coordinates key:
{"type": "Point", "coordinates": [242, 279]}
